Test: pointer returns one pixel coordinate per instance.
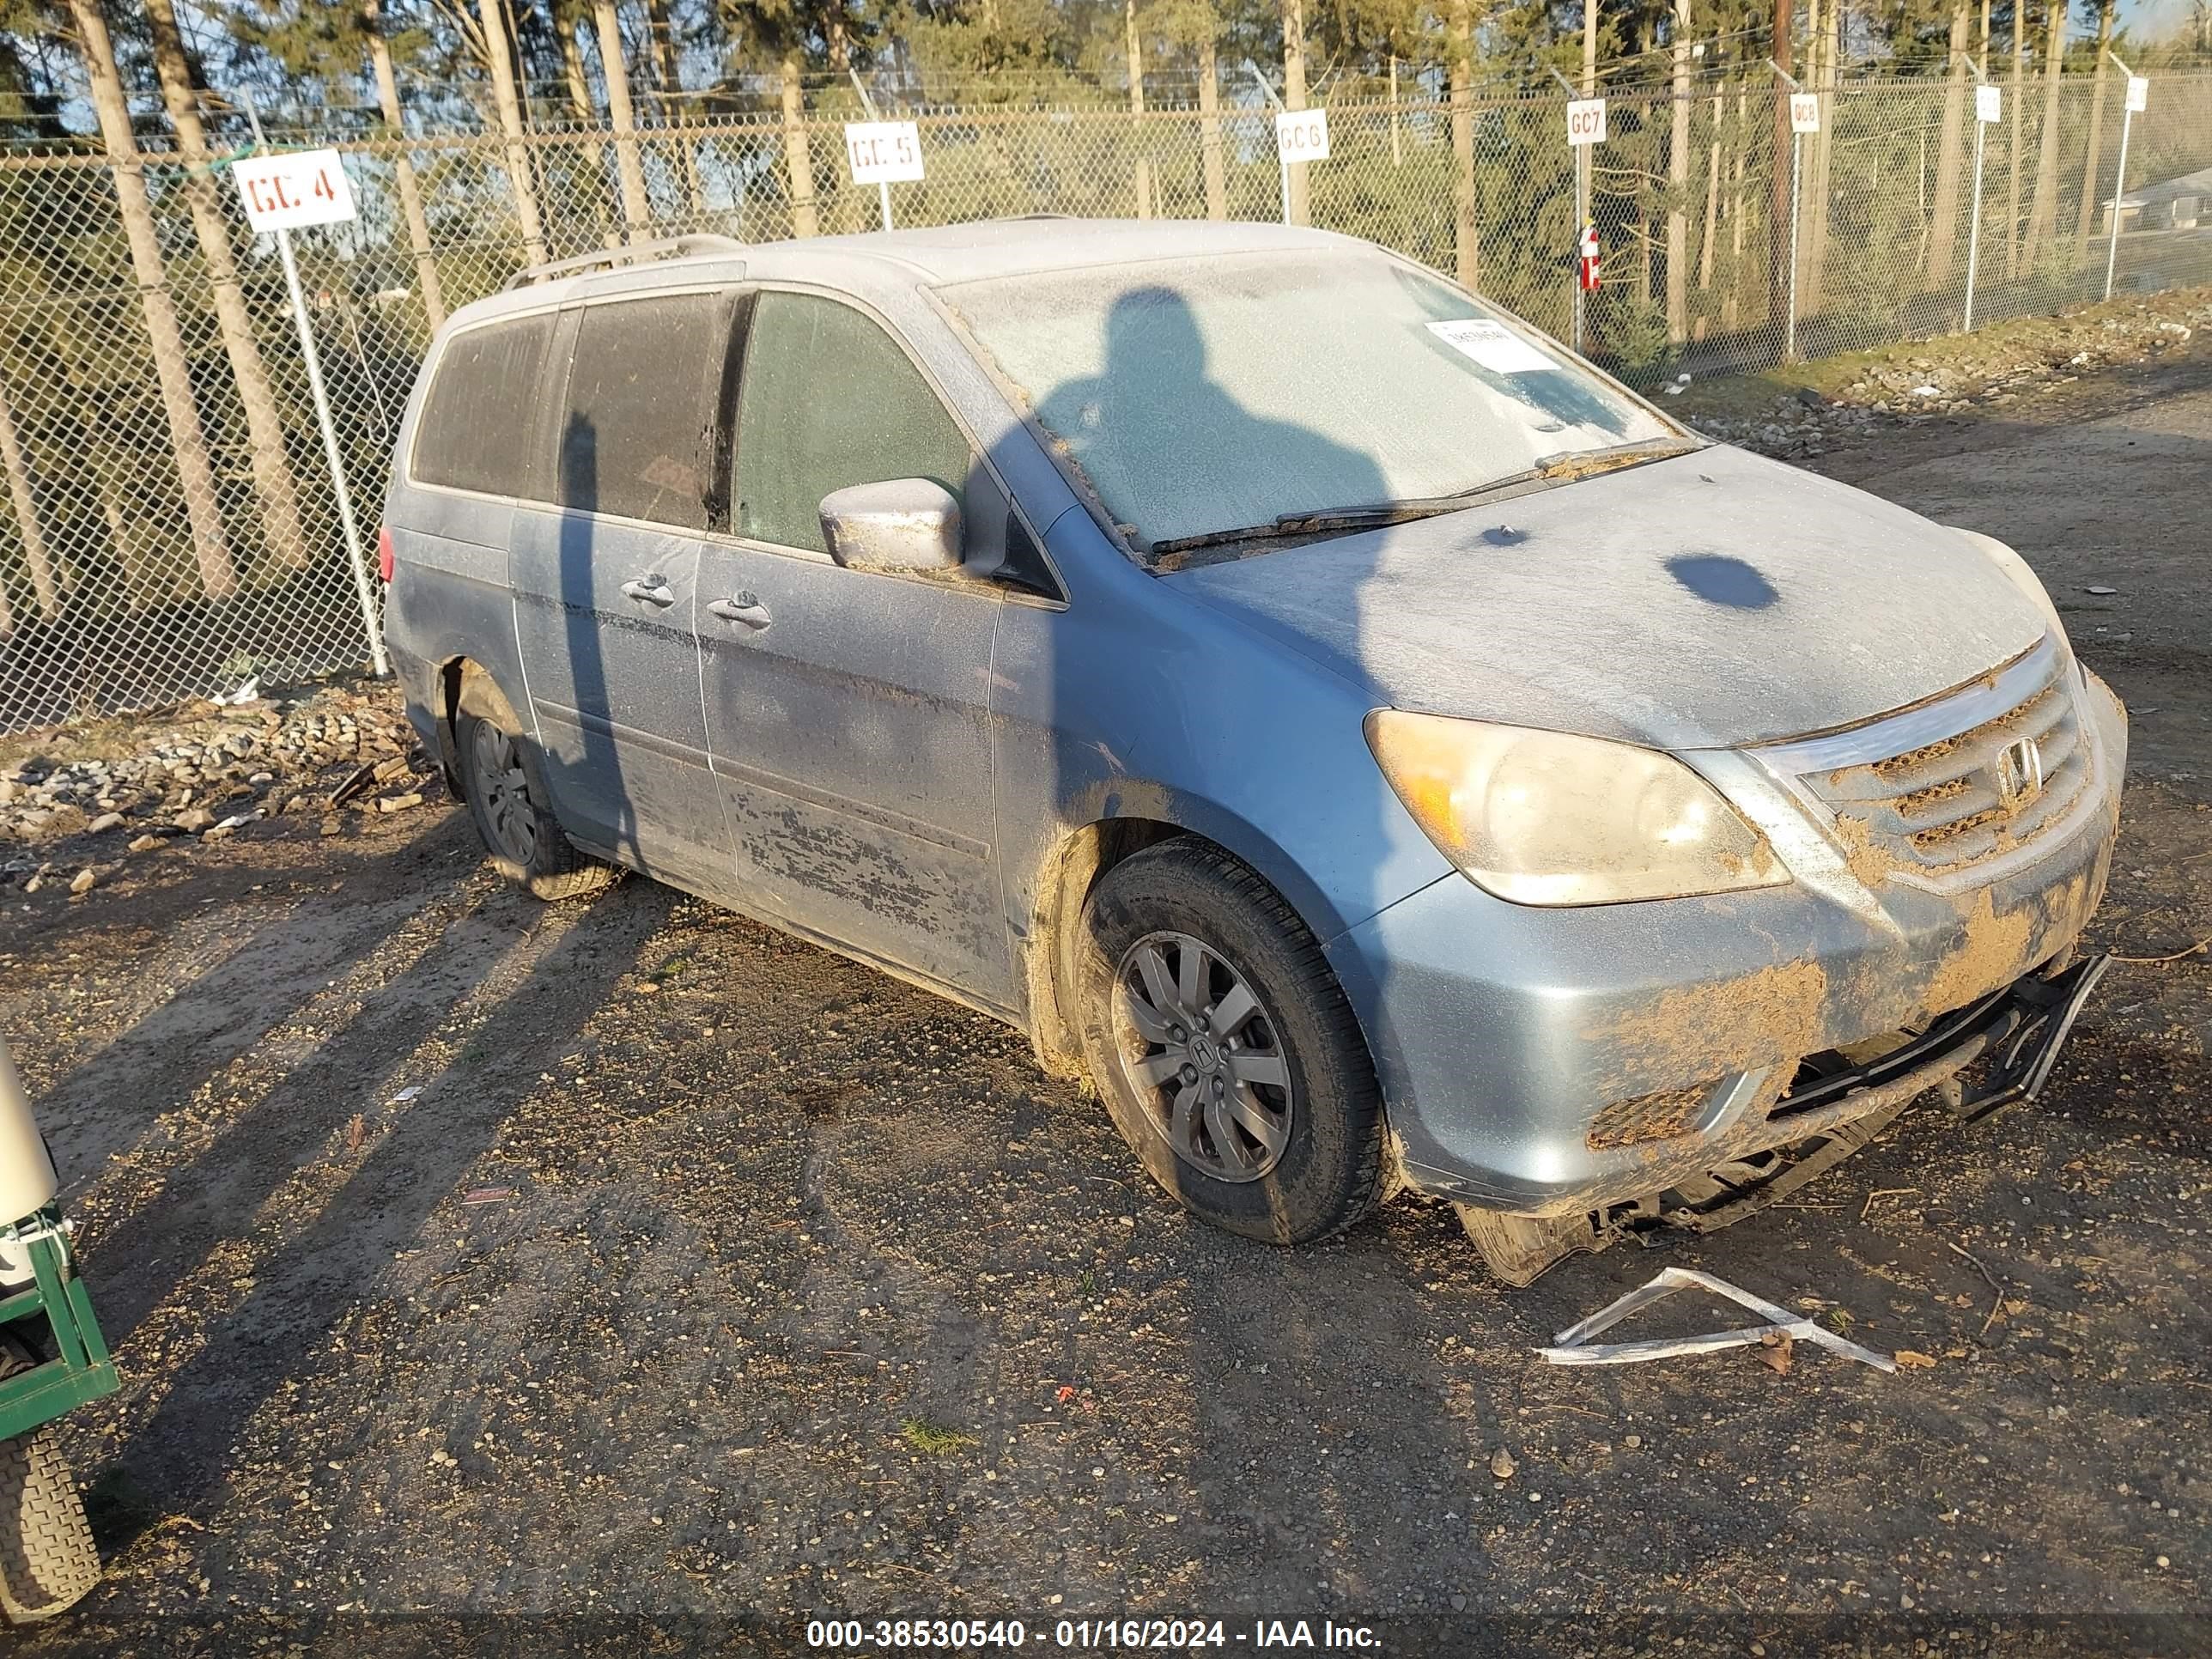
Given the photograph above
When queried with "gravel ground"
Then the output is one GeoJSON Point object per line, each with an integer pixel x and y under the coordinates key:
{"type": "Point", "coordinates": [621, 1274]}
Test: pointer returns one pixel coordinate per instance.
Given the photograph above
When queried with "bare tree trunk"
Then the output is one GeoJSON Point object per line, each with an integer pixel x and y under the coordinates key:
{"type": "Point", "coordinates": [1731, 305]}
{"type": "Point", "coordinates": [1209, 127]}
{"type": "Point", "coordinates": [1294, 97]}
{"type": "Point", "coordinates": [1712, 199]}
{"type": "Point", "coordinates": [1467, 231]}
{"type": "Point", "coordinates": [28, 528]}
{"type": "Point", "coordinates": [410, 193]}
{"type": "Point", "coordinates": [210, 549]}
{"type": "Point", "coordinates": [798, 163]}
{"type": "Point", "coordinates": [1943, 230]}
{"type": "Point", "coordinates": [637, 216]}
{"type": "Point", "coordinates": [662, 37]}
{"type": "Point", "coordinates": [1136, 49]}
{"type": "Point", "coordinates": [2013, 148]}
{"type": "Point", "coordinates": [265, 428]}
{"type": "Point", "coordinates": [1678, 181]}
{"type": "Point", "coordinates": [2086, 220]}
{"type": "Point", "coordinates": [568, 24]}
{"type": "Point", "coordinates": [2043, 216]}
{"type": "Point", "coordinates": [499, 48]}
{"type": "Point", "coordinates": [1590, 48]}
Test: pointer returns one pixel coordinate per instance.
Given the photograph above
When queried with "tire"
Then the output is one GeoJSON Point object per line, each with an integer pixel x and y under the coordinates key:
{"type": "Point", "coordinates": [506, 797]}
{"type": "Point", "coordinates": [48, 1561]}
{"type": "Point", "coordinates": [1294, 1156]}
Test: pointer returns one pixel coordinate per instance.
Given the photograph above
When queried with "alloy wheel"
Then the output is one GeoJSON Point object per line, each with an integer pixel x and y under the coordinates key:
{"type": "Point", "coordinates": [1204, 1055]}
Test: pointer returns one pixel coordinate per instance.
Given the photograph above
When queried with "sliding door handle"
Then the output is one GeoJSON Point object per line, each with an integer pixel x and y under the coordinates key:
{"type": "Point", "coordinates": [744, 608]}
{"type": "Point", "coordinates": [649, 590]}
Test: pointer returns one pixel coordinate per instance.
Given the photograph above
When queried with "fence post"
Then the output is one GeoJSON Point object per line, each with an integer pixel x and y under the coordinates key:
{"type": "Point", "coordinates": [330, 450]}
{"type": "Point", "coordinates": [1583, 220]}
{"type": "Point", "coordinates": [2120, 177]}
{"type": "Point", "coordinates": [1982, 90]}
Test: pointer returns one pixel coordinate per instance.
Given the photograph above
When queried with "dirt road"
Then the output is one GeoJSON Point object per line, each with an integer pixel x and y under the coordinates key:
{"type": "Point", "coordinates": [488, 1275]}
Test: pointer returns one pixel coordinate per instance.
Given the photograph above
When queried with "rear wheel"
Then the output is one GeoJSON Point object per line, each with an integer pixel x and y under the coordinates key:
{"type": "Point", "coordinates": [507, 800]}
{"type": "Point", "coordinates": [1223, 1047]}
{"type": "Point", "coordinates": [48, 1561]}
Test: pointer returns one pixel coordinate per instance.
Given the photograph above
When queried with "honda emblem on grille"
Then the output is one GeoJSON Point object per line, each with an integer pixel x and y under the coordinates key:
{"type": "Point", "coordinates": [2018, 773]}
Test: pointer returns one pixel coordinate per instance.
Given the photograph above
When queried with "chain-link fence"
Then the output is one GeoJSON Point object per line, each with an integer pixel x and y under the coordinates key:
{"type": "Point", "coordinates": [169, 526]}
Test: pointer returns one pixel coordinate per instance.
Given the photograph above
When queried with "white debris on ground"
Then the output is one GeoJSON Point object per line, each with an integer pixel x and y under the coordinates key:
{"type": "Point", "coordinates": [203, 771]}
{"type": "Point", "coordinates": [1957, 375]}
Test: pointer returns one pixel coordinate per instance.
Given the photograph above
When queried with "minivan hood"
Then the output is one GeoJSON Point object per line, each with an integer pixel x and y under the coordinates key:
{"type": "Point", "coordinates": [1711, 600]}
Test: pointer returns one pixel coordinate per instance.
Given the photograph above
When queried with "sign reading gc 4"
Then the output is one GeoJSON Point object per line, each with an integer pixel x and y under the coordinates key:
{"type": "Point", "coordinates": [284, 192]}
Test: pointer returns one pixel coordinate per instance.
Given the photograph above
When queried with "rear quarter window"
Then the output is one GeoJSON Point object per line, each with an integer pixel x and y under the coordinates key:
{"type": "Point", "coordinates": [474, 432]}
{"type": "Point", "coordinates": [637, 436]}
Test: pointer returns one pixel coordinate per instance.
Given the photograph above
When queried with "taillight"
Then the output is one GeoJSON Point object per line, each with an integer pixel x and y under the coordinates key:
{"type": "Point", "coordinates": [384, 552]}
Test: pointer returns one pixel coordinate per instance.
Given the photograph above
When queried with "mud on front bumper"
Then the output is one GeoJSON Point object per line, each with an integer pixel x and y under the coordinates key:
{"type": "Point", "coordinates": [1551, 1063]}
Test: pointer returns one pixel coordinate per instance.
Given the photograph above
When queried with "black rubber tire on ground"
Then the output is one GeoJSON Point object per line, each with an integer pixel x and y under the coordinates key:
{"type": "Point", "coordinates": [555, 868]}
{"type": "Point", "coordinates": [48, 1561]}
{"type": "Point", "coordinates": [1329, 1173]}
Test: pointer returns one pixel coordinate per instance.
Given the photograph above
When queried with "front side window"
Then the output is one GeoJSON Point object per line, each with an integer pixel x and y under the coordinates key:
{"type": "Point", "coordinates": [828, 399]}
{"type": "Point", "coordinates": [637, 436]}
{"type": "Point", "coordinates": [474, 432]}
{"type": "Point", "coordinates": [1197, 395]}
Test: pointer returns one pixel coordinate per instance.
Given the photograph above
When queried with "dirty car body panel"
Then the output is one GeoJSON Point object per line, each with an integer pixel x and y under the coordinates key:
{"type": "Point", "coordinates": [901, 763]}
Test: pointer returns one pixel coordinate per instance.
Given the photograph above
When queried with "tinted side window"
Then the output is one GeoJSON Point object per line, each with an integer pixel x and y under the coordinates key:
{"type": "Point", "coordinates": [475, 429]}
{"type": "Point", "coordinates": [637, 437]}
{"type": "Point", "coordinates": [828, 400]}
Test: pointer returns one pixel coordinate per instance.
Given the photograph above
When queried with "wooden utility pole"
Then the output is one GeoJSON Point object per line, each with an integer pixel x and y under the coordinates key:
{"type": "Point", "coordinates": [1678, 180]}
{"type": "Point", "coordinates": [1466, 233]}
{"type": "Point", "coordinates": [797, 160]}
{"type": "Point", "coordinates": [1589, 48]}
{"type": "Point", "coordinates": [1294, 97]}
{"type": "Point", "coordinates": [1136, 50]}
{"type": "Point", "coordinates": [2095, 157]}
{"type": "Point", "coordinates": [1209, 124]}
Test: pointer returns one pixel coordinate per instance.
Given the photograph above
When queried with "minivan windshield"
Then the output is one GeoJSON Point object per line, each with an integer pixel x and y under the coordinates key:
{"type": "Point", "coordinates": [1211, 398]}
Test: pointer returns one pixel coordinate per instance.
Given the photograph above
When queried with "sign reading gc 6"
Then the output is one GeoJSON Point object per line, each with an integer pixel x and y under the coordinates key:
{"type": "Point", "coordinates": [1586, 121]}
{"type": "Point", "coordinates": [1302, 135]}
{"type": "Point", "coordinates": [284, 192]}
{"type": "Point", "coordinates": [883, 152]}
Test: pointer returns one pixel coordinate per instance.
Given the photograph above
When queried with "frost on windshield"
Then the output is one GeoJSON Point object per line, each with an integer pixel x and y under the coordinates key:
{"type": "Point", "coordinates": [1203, 395]}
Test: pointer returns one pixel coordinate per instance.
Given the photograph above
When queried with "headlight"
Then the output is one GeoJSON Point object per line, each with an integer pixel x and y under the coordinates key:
{"type": "Point", "coordinates": [1543, 817]}
{"type": "Point", "coordinates": [2017, 572]}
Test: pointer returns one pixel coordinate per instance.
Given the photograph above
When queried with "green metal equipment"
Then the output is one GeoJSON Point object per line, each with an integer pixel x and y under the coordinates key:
{"type": "Point", "coordinates": [52, 1358]}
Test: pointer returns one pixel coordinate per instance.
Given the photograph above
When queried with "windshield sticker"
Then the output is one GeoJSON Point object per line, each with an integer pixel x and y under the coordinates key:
{"type": "Point", "coordinates": [1493, 345]}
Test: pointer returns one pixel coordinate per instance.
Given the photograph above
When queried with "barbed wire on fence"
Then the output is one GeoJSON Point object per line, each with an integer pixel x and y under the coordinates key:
{"type": "Point", "coordinates": [136, 564]}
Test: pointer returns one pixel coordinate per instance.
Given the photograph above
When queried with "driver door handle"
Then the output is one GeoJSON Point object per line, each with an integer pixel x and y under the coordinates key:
{"type": "Point", "coordinates": [744, 608]}
{"type": "Point", "coordinates": [651, 590]}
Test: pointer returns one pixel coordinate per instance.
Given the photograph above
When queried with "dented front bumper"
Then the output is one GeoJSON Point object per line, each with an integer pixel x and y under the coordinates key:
{"type": "Point", "coordinates": [1502, 1034]}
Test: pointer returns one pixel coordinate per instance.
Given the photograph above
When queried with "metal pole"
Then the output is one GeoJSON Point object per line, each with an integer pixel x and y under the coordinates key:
{"type": "Point", "coordinates": [883, 190]}
{"type": "Point", "coordinates": [1796, 170]}
{"type": "Point", "coordinates": [331, 451]}
{"type": "Point", "coordinates": [1282, 167]}
{"type": "Point", "coordinates": [1974, 221]}
{"type": "Point", "coordinates": [2120, 177]}
{"type": "Point", "coordinates": [1581, 223]}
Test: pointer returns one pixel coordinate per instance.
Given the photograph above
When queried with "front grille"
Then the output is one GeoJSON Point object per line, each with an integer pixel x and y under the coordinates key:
{"type": "Point", "coordinates": [1950, 802]}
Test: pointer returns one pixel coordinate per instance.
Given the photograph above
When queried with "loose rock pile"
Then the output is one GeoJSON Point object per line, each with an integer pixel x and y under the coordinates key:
{"type": "Point", "coordinates": [1961, 375]}
{"type": "Point", "coordinates": [204, 772]}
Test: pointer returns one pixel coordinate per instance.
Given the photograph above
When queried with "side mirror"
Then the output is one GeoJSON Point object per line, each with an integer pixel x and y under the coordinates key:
{"type": "Point", "coordinates": [905, 524]}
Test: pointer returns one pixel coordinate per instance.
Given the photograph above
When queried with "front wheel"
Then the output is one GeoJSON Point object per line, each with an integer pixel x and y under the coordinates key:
{"type": "Point", "coordinates": [1223, 1047]}
{"type": "Point", "coordinates": [48, 1561]}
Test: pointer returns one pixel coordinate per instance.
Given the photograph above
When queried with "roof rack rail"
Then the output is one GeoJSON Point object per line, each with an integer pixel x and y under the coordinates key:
{"type": "Point", "coordinates": [668, 247]}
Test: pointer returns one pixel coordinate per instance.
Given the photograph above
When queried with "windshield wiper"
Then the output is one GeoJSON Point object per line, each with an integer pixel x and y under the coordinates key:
{"type": "Point", "coordinates": [1562, 468]}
